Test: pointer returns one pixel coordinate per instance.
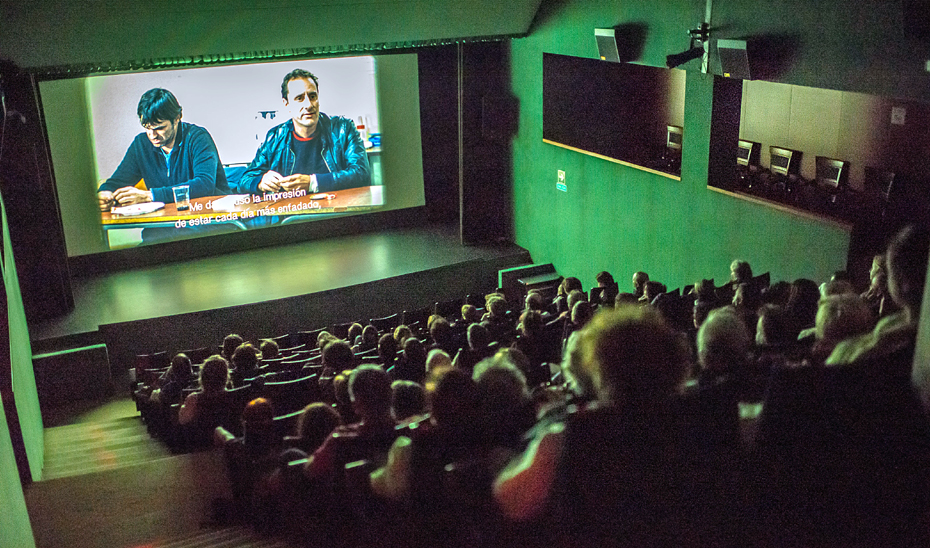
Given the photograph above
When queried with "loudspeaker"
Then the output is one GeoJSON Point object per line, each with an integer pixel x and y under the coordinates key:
{"type": "Point", "coordinates": [734, 59]}
{"type": "Point", "coordinates": [607, 45]}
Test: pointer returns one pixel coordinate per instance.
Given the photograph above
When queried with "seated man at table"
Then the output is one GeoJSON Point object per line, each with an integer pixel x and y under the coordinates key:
{"type": "Point", "coordinates": [311, 151]}
{"type": "Point", "coordinates": [170, 153]}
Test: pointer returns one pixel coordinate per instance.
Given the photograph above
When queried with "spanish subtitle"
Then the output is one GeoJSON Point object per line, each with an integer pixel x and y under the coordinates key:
{"type": "Point", "coordinates": [243, 215]}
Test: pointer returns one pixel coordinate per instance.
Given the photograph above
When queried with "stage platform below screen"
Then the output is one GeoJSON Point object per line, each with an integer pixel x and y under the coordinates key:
{"type": "Point", "coordinates": [272, 291]}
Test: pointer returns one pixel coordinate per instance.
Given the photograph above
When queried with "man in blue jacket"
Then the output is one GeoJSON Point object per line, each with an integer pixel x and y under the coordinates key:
{"type": "Point", "coordinates": [168, 154]}
{"type": "Point", "coordinates": [311, 151]}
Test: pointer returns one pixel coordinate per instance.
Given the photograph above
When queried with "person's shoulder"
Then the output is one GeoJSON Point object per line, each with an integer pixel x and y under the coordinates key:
{"type": "Point", "coordinates": [278, 131]}
{"type": "Point", "coordinates": [193, 130]}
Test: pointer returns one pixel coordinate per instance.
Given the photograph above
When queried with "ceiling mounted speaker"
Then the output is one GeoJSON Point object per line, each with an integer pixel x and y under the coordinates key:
{"type": "Point", "coordinates": [734, 59]}
{"type": "Point", "coordinates": [607, 45]}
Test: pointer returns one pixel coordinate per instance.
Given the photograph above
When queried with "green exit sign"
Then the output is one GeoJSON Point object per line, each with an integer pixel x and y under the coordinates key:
{"type": "Point", "coordinates": [560, 181]}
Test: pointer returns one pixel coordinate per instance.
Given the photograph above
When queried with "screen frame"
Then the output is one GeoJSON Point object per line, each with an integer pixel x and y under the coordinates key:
{"type": "Point", "coordinates": [274, 235]}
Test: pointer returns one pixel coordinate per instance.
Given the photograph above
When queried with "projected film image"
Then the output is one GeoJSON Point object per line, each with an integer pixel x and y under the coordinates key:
{"type": "Point", "coordinates": [196, 152]}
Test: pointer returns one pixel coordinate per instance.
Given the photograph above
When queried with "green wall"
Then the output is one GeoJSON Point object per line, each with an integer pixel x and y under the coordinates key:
{"type": "Point", "coordinates": [15, 528]}
{"type": "Point", "coordinates": [621, 219]}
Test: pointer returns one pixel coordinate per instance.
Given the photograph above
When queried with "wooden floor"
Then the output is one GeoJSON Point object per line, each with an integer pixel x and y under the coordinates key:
{"type": "Point", "coordinates": [259, 275]}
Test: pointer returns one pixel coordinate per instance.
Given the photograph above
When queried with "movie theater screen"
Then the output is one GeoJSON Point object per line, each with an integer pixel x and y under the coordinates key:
{"type": "Point", "coordinates": [92, 121]}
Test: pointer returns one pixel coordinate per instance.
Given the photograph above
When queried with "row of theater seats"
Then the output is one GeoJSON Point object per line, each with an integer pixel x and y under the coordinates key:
{"type": "Point", "coordinates": [291, 380]}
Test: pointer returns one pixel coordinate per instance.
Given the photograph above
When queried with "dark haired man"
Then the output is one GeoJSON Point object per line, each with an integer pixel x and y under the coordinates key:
{"type": "Point", "coordinates": [311, 151]}
{"type": "Point", "coordinates": [170, 153]}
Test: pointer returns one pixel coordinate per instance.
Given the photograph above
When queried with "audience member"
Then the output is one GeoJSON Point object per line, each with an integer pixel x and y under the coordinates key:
{"type": "Point", "coordinates": [416, 466]}
{"type": "Point", "coordinates": [441, 333]}
{"type": "Point", "coordinates": [172, 383]}
{"type": "Point", "coordinates": [506, 409]}
{"type": "Point", "coordinates": [777, 293]}
{"type": "Point", "coordinates": [314, 425]}
{"type": "Point", "coordinates": [839, 317]}
{"type": "Point", "coordinates": [387, 350]}
{"type": "Point", "coordinates": [369, 438]}
{"type": "Point", "coordinates": [500, 327]}
{"type": "Point", "coordinates": [230, 343]}
{"type": "Point", "coordinates": [651, 290]}
{"type": "Point", "coordinates": [606, 290]}
{"type": "Point", "coordinates": [408, 400]}
{"type": "Point", "coordinates": [401, 334]}
{"type": "Point", "coordinates": [412, 366]}
{"type": "Point", "coordinates": [269, 349]}
{"type": "Point", "coordinates": [478, 348]}
{"type": "Point", "coordinates": [536, 346]}
{"type": "Point", "coordinates": [337, 356]}
{"type": "Point", "coordinates": [244, 364]}
{"type": "Point", "coordinates": [639, 284]}
{"type": "Point", "coordinates": [343, 404]}
{"type": "Point", "coordinates": [207, 408]}
{"type": "Point", "coordinates": [615, 474]}
{"type": "Point", "coordinates": [723, 350]}
{"type": "Point", "coordinates": [895, 334]}
{"type": "Point", "coordinates": [252, 458]}
{"type": "Point", "coordinates": [740, 272]}
{"type": "Point", "coordinates": [355, 331]}
{"type": "Point", "coordinates": [368, 340]}
{"type": "Point", "coordinates": [568, 285]}
{"type": "Point", "coordinates": [803, 303]}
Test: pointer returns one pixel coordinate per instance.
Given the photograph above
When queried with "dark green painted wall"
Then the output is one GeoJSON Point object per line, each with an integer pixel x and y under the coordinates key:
{"type": "Point", "coordinates": [620, 219]}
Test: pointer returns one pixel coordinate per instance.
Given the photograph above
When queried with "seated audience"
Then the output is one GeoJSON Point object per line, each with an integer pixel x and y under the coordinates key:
{"type": "Point", "coordinates": [777, 293]}
{"type": "Point", "coordinates": [343, 404]}
{"type": "Point", "coordinates": [437, 360]}
{"type": "Point", "coordinates": [877, 294]}
{"type": "Point", "coordinates": [725, 377]}
{"type": "Point", "coordinates": [803, 303]}
{"type": "Point", "coordinates": [324, 338]}
{"type": "Point", "coordinates": [538, 348]}
{"type": "Point", "coordinates": [746, 302]}
{"type": "Point", "coordinates": [651, 290]}
{"type": "Point", "coordinates": [355, 331]}
{"type": "Point", "coordinates": [337, 356]}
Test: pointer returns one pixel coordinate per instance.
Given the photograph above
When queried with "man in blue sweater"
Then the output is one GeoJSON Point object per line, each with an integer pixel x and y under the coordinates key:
{"type": "Point", "coordinates": [311, 151]}
{"type": "Point", "coordinates": [168, 154]}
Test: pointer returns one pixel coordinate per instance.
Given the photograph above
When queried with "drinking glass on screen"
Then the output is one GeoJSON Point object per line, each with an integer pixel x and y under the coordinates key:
{"type": "Point", "coordinates": [182, 197]}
